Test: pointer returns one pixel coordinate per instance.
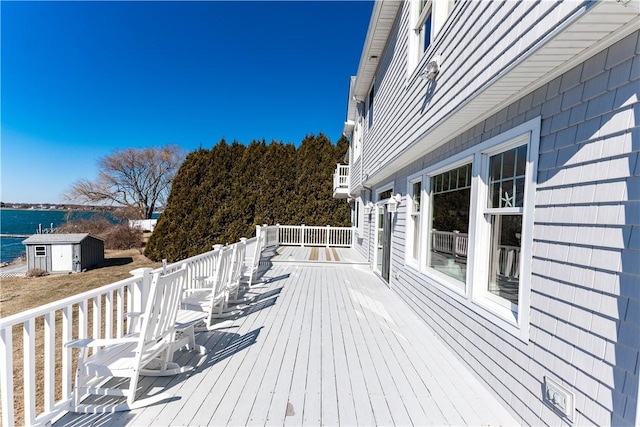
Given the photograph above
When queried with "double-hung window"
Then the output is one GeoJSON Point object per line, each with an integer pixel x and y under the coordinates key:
{"type": "Point", "coordinates": [424, 24]}
{"type": "Point", "coordinates": [476, 228]}
{"type": "Point", "coordinates": [358, 217]}
{"type": "Point", "coordinates": [506, 174]}
{"type": "Point", "coordinates": [414, 212]}
{"type": "Point", "coordinates": [428, 17]}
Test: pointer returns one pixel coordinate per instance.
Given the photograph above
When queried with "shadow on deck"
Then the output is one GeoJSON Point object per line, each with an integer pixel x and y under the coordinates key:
{"type": "Point", "coordinates": [318, 256]}
{"type": "Point", "coordinates": [321, 346]}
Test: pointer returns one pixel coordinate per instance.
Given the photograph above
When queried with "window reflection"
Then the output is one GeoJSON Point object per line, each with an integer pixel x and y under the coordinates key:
{"type": "Point", "coordinates": [450, 199]}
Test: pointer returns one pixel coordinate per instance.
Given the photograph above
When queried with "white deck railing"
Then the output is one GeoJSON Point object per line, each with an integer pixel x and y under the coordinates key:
{"type": "Point", "coordinates": [304, 235]}
{"type": "Point", "coordinates": [456, 244]}
{"type": "Point", "coordinates": [36, 339]}
{"type": "Point", "coordinates": [450, 242]}
{"type": "Point", "coordinates": [341, 177]}
{"type": "Point", "coordinates": [32, 342]}
{"type": "Point", "coordinates": [95, 314]}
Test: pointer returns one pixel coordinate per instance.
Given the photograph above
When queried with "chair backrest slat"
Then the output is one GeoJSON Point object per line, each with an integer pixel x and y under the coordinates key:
{"type": "Point", "coordinates": [239, 252]}
{"type": "Point", "coordinates": [224, 269]}
{"type": "Point", "coordinates": [162, 308]}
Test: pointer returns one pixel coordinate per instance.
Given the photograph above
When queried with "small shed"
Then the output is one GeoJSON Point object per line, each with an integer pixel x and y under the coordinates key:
{"type": "Point", "coordinates": [64, 253]}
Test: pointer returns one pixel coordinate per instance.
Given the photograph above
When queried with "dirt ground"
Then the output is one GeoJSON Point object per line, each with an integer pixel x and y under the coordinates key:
{"type": "Point", "coordinates": [22, 293]}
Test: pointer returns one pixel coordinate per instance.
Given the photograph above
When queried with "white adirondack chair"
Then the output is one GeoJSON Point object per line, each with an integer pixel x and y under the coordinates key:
{"type": "Point", "coordinates": [147, 352]}
{"type": "Point", "coordinates": [209, 300]}
{"type": "Point", "coordinates": [252, 264]}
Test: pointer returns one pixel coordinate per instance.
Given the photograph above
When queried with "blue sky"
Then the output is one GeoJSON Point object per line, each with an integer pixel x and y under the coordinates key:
{"type": "Point", "coordinates": [82, 79]}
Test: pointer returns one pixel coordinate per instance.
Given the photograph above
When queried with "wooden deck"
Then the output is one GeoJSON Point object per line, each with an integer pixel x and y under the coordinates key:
{"type": "Point", "coordinates": [325, 345]}
{"type": "Point", "coordinates": [317, 255]}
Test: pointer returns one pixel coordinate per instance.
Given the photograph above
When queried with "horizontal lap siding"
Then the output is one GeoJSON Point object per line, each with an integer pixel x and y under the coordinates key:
{"type": "Point", "coordinates": [585, 296]}
{"type": "Point", "coordinates": [471, 55]}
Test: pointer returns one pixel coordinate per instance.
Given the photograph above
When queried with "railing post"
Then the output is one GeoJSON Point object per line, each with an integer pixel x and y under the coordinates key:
{"type": "Point", "coordinates": [6, 373]}
{"type": "Point", "coordinates": [328, 232]}
{"type": "Point", "coordinates": [302, 235]}
{"type": "Point", "coordinates": [140, 293]}
{"type": "Point", "coordinates": [277, 235]}
{"type": "Point", "coordinates": [258, 231]}
{"type": "Point", "coordinates": [29, 370]}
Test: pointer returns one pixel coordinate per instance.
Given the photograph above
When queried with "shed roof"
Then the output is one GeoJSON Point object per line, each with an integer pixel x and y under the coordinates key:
{"type": "Point", "coordinates": [40, 239]}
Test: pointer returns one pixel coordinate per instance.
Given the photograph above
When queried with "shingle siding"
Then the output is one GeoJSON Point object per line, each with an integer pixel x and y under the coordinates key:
{"type": "Point", "coordinates": [585, 288]}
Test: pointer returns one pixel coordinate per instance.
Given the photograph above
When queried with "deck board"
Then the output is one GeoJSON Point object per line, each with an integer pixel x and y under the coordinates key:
{"type": "Point", "coordinates": [327, 345]}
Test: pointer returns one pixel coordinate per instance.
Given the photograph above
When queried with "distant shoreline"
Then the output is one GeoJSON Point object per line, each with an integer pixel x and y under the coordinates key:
{"type": "Point", "coordinates": [53, 207]}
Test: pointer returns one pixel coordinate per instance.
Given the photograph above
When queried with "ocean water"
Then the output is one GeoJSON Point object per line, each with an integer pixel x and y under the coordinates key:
{"type": "Point", "coordinates": [26, 222]}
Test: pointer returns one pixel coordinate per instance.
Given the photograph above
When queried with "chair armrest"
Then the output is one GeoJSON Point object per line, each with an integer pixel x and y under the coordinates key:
{"type": "Point", "coordinates": [101, 342]}
{"type": "Point", "coordinates": [133, 314]}
{"type": "Point", "coordinates": [186, 291]}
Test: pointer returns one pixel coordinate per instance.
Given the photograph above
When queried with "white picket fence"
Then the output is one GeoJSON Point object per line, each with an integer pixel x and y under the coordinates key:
{"type": "Point", "coordinates": [143, 224]}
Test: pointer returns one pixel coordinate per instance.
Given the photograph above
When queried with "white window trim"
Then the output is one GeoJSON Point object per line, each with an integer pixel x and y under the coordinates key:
{"type": "Point", "coordinates": [480, 294]}
{"type": "Point", "coordinates": [371, 99]}
{"type": "Point", "coordinates": [379, 204]}
{"type": "Point", "coordinates": [409, 241]}
{"type": "Point", "coordinates": [440, 11]}
{"type": "Point", "coordinates": [357, 138]}
{"type": "Point", "coordinates": [473, 295]}
{"type": "Point", "coordinates": [360, 217]}
{"type": "Point", "coordinates": [35, 251]}
{"type": "Point", "coordinates": [458, 286]}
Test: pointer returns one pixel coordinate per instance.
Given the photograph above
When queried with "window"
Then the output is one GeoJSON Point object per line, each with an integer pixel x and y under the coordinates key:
{"type": "Point", "coordinates": [370, 111]}
{"type": "Point", "coordinates": [41, 251]}
{"type": "Point", "coordinates": [428, 17]}
{"type": "Point", "coordinates": [424, 24]}
{"type": "Point", "coordinates": [357, 139]}
{"type": "Point", "coordinates": [413, 233]}
{"type": "Point", "coordinates": [384, 195]}
{"type": "Point", "coordinates": [449, 228]}
{"type": "Point", "coordinates": [476, 230]}
{"type": "Point", "coordinates": [358, 217]}
{"type": "Point", "coordinates": [504, 209]}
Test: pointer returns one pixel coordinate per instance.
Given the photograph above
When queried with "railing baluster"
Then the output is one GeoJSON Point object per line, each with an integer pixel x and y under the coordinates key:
{"type": "Point", "coordinates": [83, 319]}
{"type": "Point", "coordinates": [120, 313]}
{"type": "Point", "coordinates": [129, 306]}
{"type": "Point", "coordinates": [29, 370]}
{"type": "Point", "coordinates": [108, 315]}
{"type": "Point", "coordinates": [49, 358]}
{"type": "Point", "coordinates": [97, 316]}
{"type": "Point", "coordinates": [67, 322]}
{"type": "Point", "coordinates": [6, 374]}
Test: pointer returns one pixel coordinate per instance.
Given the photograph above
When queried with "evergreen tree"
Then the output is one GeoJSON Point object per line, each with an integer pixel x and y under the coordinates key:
{"type": "Point", "coordinates": [220, 195]}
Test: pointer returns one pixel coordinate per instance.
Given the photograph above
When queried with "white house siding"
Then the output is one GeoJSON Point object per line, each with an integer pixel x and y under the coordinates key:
{"type": "Point", "coordinates": [585, 288]}
{"type": "Point", "coordinates": [479, 41]}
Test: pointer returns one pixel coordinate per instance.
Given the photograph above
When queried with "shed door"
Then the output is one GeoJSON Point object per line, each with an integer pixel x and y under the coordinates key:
{"type": "Point", "coordinates": [61, 257]}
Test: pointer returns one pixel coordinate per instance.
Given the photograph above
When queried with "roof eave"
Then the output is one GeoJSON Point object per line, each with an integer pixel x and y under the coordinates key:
{"type": "Point", "coordinates": [380, 25]}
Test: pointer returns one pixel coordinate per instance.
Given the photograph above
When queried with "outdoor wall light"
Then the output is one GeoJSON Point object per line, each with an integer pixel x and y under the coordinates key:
{"type": "Point", "coordinates": [367, 208]}
{"type": "Point", "coordinates": [392, 204]}
{"type": "Point", "coordinates": [431, 70]}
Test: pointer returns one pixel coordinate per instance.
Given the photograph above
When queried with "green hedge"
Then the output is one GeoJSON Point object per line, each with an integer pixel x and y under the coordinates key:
{"type": "Point", "coordinates": [220, 195]}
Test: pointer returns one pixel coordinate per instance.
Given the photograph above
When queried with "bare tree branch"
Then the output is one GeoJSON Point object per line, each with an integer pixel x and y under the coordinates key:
{"type": "Point", "coordinates": [138, 178]}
